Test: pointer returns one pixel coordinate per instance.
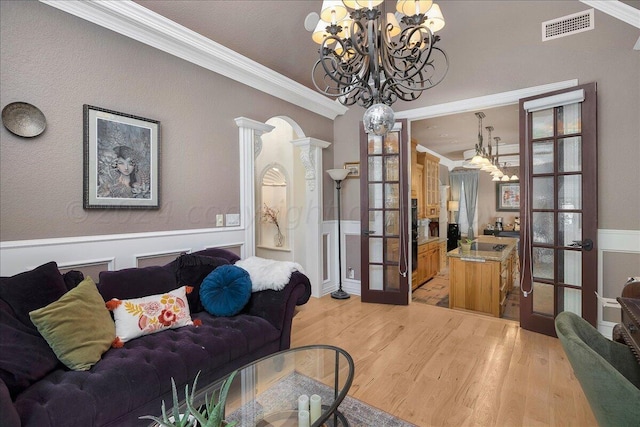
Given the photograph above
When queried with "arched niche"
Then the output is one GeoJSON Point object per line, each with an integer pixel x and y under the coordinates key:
{"type": "Point", "coordinates": [274, 198]}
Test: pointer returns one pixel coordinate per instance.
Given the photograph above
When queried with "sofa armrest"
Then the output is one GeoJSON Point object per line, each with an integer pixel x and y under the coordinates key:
{"type": "Point", "coordinates": [278, 306]}
{"type": "Point", "coordinates": [8, 415]}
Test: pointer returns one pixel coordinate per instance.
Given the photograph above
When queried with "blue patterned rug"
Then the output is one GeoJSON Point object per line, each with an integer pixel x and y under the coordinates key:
{"type": "Point", "coordinates": [358, 414]}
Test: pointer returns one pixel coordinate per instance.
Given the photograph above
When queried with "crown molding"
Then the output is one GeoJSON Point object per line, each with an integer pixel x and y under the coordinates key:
{"type": "Point", "coordinates": [617, 9]}
{"type": "Point", "coordinates": [139, 23]}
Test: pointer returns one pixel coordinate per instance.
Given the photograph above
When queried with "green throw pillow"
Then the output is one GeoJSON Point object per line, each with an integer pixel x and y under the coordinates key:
{"type": "Point", "coordinates": [78, 327]}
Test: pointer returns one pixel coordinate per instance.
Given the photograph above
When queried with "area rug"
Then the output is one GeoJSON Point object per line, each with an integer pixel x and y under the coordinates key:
{"type": "Point", "coordinates": [358, 413]}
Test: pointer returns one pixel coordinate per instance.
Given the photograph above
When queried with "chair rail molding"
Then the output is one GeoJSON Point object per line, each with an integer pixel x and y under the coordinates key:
{"type": "Point", "coordinates": [621, 241]}
{"type": "Point", "coordinates": [330, 228]}
{"type": "Point", "coordinates": [118, 251]}
{"type": "Point", "coordinates": [139, 23]}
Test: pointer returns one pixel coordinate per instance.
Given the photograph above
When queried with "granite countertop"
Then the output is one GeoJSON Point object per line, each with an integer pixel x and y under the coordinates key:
{"type": "Point", "coordinates": [423, 240]}
{"type": "Point", "coordinates": [484, 255]}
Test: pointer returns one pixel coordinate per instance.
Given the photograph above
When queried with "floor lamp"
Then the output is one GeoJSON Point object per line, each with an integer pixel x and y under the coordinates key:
{"type": "Point", "coordinates": [338, 175]}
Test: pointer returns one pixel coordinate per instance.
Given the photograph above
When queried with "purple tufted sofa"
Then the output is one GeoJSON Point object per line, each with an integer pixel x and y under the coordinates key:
{"type": "Point", "coordinates": [133, 380]}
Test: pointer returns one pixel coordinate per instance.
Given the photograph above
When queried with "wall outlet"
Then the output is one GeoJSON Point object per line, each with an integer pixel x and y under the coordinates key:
{"type": "Point", "coordinates": [351, 274]}
{"type": "Point", "coordinates": [219, 220]}
{"type": "Point", "coordinates": [233, 219]}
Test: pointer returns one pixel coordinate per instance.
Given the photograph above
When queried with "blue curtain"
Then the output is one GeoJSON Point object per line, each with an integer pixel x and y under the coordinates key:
{"type": "Point", "coordinates": [470, 180]}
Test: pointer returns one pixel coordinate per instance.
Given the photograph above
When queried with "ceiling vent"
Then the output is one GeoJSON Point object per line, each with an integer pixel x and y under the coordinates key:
{"type": "Point", "coordinates": [568, 25]}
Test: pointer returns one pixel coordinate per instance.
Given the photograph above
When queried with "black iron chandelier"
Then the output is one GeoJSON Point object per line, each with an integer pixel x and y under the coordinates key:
{"type": "Point", "coordinates": [368, 58]}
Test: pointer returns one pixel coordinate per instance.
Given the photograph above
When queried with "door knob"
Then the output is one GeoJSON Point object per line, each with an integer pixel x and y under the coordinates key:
{"type": "Point", "coordinates": [585, 245]}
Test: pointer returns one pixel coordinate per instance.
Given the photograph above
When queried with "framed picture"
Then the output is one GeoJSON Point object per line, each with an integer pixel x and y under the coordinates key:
{"type": "Point", "coordinates": [507, 196]}
{"type": "Point", "coordinates": [353, 168]}
{"type": "Point", "coordinates": [121, 160]}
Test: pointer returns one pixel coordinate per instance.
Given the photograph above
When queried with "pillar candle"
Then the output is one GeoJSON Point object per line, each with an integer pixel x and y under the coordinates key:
{"type": "Point", "coordinates": [303, 403]}
{"type": "Point", "coordinates": [316, 408]}
{"type": "Point", "coordinates": [303, 418]}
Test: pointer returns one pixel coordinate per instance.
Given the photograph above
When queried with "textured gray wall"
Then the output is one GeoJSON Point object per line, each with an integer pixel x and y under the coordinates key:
{"type": "Point", "coordinates": [59, 62]}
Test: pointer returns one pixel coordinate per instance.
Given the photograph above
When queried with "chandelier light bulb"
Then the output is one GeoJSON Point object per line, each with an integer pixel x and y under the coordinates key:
{"type": "Point", "coordinates": [378, 119]}
{"type": "Point", "coordinates": [505, 178]}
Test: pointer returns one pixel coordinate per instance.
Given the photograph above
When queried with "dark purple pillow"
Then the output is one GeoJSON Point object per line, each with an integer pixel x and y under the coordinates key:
{"type": "Point", "coordinates": [136, 282]}
{"type": "Point", "coordinates": [191, 270]}
{"type": "Point", "coordinates": [25, 357]}
{"type": "Point", "coordinates": [31, 290]}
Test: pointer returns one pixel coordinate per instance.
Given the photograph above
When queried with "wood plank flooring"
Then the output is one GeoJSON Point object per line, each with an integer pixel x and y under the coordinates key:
{"type": "Point", "coordinates": [434, 366]}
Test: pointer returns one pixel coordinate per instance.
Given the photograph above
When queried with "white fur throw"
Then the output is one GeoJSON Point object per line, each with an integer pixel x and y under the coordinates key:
{"type": "Point", "coordinates": [268, 273]}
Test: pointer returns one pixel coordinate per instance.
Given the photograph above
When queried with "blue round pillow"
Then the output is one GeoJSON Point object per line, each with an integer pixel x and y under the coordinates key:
{"type": "Point", "coordinates": [226, 290]}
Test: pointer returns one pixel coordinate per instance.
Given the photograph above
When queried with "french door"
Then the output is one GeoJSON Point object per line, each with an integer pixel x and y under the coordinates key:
{"type": "Point", "coordinates": [558, 207]}
{"type": "Point", "coordinates": [384, 204]}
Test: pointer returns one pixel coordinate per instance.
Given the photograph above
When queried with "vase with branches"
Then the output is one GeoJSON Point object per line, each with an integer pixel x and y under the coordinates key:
{"type": "Point", "coordinates": [270, 215]}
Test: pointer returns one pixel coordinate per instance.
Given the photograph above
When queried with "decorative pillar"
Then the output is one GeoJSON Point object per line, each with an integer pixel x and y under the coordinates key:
{"type": "Point", "coordinates": [311, 158]}
{"type": "Point", "coordinates": [250, 131]}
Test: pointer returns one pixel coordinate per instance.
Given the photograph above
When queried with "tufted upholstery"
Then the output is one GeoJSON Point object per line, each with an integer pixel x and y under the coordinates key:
{"type": "Point", "coordinates": [132, 381]}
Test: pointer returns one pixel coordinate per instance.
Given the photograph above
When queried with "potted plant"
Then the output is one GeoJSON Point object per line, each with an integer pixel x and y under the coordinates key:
{"type": "Point", "coordinates": [211, 414]}
{"type": "Point", "coordinates": [465, 245]}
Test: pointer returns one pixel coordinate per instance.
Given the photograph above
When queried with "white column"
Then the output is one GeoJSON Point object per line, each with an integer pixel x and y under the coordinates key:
{"type": "Point", "coordinates": [311, 158]}
{"type": "Point", "coordinates": [249, 133]}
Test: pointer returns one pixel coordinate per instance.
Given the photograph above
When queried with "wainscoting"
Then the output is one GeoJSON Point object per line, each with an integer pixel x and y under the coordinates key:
{"type": "Point", "coordinates": [92, 254]}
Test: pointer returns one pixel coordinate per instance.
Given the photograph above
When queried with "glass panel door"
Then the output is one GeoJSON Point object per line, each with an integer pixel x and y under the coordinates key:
{"type": "Point", "coordinates": [384, 213]}
{"type": "Point", "coordinates": [559, 212]}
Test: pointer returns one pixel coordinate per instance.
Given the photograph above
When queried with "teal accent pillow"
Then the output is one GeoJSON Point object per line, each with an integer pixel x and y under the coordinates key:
{"type": "Point", "coordinates": [226, 290]}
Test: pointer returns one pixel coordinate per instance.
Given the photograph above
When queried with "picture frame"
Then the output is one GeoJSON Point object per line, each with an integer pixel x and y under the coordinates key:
{"type": "Point", "coordinates": [507, 196]}
{"type": "Point", "coordinates": [354, 169]}
{"type": "Point", "coordinates": [121, 160]}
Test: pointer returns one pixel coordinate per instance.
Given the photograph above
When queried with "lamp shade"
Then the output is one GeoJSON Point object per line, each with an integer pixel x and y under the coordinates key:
{"type": "Point", "coordinates": [332, 11]}
{"type": "Point", "coordinates": [435, 20]}
{"type": "Point", "coordinates": [453, 205]}
{"type": "Point", "coordinates": [413, 7]}
{"type": "Point", "coordinates": [338, 174]}
{"type": "Point", "coordinates": [320, 33]}
{"type": "Point", "coordinates": [359, 4]}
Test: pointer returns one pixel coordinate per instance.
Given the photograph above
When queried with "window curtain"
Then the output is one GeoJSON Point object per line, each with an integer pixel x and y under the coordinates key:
{"type": "Point", "coordinates": [470, 180]}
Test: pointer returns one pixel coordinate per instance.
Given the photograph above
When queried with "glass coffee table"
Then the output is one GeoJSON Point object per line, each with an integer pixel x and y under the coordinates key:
{"type": "Point", "coordinates": [267, 391]}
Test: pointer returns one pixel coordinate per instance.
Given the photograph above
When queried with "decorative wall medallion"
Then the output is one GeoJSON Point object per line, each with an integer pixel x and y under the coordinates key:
{"type": "Point", "coordinates": [23, 119]}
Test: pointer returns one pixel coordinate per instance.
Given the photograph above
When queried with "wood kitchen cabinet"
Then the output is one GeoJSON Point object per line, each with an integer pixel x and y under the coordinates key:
{"type": "Point", "coordinates": [428, 263]}
{"type": "Point", "coordinates": [481, 281]}
{"type": "Point", "coordinates": [431, 186]}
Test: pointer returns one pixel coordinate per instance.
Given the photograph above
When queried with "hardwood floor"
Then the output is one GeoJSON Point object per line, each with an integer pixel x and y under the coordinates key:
{"type": "Point", "coordinates": [436, 367]}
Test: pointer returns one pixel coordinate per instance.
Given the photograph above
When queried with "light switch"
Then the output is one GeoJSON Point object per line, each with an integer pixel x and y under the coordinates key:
{"type": "Point", "coordinates": [219, 220]}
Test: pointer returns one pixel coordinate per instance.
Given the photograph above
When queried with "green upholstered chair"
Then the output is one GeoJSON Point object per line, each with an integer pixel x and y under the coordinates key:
{"type": "Point", "coordinates": [608, 371]}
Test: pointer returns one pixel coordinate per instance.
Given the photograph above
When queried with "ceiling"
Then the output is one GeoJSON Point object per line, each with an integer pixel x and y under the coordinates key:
{"type": "Point", "coordinates": [272, 33]}
{"type": "Point", "coordinates": [448, 136]}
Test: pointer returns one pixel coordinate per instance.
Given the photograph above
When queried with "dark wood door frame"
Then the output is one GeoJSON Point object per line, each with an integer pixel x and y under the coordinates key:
{"type": "Point", "coordinates": [535, 321]}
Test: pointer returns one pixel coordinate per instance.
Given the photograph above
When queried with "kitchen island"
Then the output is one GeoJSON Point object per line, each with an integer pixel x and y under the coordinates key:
{"type": "Point", "coordinates": [481, 279]}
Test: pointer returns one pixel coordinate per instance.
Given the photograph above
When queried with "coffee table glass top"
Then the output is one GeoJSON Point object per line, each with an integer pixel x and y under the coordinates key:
{"type": "Point", "coordinates": [267, 391]}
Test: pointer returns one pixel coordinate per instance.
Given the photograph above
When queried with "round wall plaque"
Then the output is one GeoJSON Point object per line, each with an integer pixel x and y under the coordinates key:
{"type": "Point", "coordinates": [23, 119]}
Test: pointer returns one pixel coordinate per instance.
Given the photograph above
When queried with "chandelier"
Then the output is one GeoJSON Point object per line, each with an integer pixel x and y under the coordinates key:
{"type": "Point", "coordinates": [485, 160]}
{"type": "Point", "coordinates": [368, 58]}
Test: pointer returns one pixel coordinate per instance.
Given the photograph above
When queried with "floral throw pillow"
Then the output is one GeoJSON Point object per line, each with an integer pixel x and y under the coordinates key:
{"type": "Point", "coordinates": [148, 315]}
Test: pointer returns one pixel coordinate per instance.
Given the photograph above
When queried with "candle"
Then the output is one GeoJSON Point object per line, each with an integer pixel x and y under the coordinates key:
{"type": "Point", "coordinates": [316, 408]}
{"type": "Point", "coordinates": [303, 418]}
{"type": "Point", "coordinates": [303, 403]}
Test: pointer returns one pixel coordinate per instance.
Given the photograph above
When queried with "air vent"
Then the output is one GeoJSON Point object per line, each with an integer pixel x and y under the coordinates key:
{"type": "Point", "coordinates": [568, 25]}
